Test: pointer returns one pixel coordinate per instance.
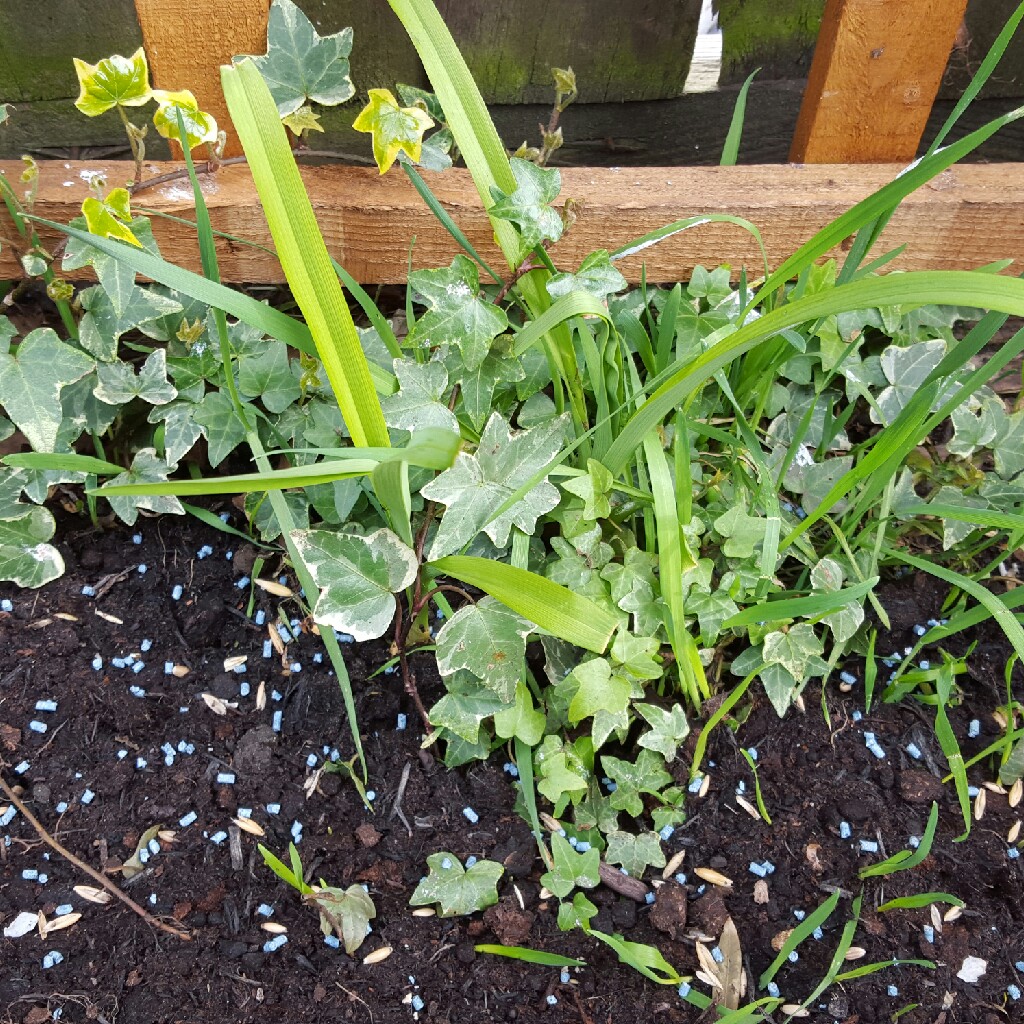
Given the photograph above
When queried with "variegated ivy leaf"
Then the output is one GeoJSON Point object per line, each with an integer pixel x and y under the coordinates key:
{"type": "Point", "coordinates": [102, 325]}
{"type": "Point", "coordinates": [571, 869]}
{"type": "Point", "coordinates": [147, 467]}
{"type": "Point", "coordinates": [596, 275]}
{"type": "Point", "coordinates": [112, 82]}
{"type": "Point", "coordinates": [488, 640]}
{"type": "Point", "coordinates": [181, 431]}
{"type": "Point", "coordinates": [419, 401]}
{"type": "Point", "coordinates": [953, 530]}
{"type": "Point", "coordinates": [635, 852]}
{"type": "Point", "coordinates": [743, 533]}
{"type": "Point", "coordinates": [117, 382]}
{"type": "Point", "coordinates": [646, 775]}
{"type": "Point", "coordinates": [305, 119]}
{"type": "Point", "coordinates": [199, 126]}
{"type": "Point", "coordinates": [906, 370]}
{"type": "Point", "coordinates": [637, 656]}
{"type": "Point", "coordinates": [668, 729]}
{"type": "Point", "coordinates": [358, 577]}
{"type": "Point", "coordinates": [477, 386]}
{"type": "Point", "coordinates": [464, 707]}
{"type": "Point", "coordinates": [798, 650]}
{"type": "Point", "coordinates": [267, 374]}
{"type": "Point", "coordinates": [31, 379]}
{"type": "Point", "coordinates": [117, 278]}
{"type": "Point", "coordinates": [302, 65]}
{"type": "Point", "coordinates": [1008, 445]}
{"type": "Point", "coordinates": [260, 513]}
{"type": "Point", "coordinates": [109, 217]}
{"type": "Point", "coordinates": [827, 577]}
{"type": "Point", "coordinates": [976, 422]}
{"type": "Point", "coordinates": [394, 129]}
{"type": "Point", "coordinates": [26, 558]}
{"type": "Point", "coordinates": [528, 207]}
{"type": "Point", "coordinates": [813, 480]}
{"type": "Point", "coordinates": [780, 686]}
{"type": "Point", "coordinates": [593, 488]}
{"type": "Point", "coordinates": [711, 611]}
{"type": "Point", "coordinates": [456, 314]}
{"type": "Point", "coordinates": [455, 889]}
{"type": "Point", "coordinates": [477, 486]}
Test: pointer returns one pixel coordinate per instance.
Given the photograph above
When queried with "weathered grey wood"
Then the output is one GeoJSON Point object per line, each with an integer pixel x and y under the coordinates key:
{"type": "Point", "coordinates": [38, 38]}
{"type": "Point", "coordinates": [983, 22]}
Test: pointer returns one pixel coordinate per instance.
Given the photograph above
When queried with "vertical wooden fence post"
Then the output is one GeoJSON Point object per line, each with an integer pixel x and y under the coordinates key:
{"type": "Point", "coordinates": [877, 67]}
{"type": "Point", "coordinates": [187, 42]}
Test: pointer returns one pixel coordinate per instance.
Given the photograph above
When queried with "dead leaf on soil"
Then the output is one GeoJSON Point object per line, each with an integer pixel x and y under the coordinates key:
{"type": "Point", "coordinates": [761, 892]}
{"type": "Point", "coordinates": [133, 865]}
{"type": "Point", "coordinates": [92, 894]}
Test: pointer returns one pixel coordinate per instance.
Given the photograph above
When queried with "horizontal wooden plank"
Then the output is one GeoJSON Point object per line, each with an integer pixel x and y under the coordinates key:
{"type": "Point", "coordinates": [971, 215]}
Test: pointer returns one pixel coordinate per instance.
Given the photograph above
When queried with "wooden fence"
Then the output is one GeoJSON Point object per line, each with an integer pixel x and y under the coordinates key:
{"type": "Point", "coordinates": [877, 69]}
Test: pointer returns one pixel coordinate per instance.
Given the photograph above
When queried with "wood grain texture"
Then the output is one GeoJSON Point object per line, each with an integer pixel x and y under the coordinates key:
{"type": "Point", "coordinates": [186, 43]}
{"type": "Point", "coordinates": [969, 216]}
{"type": "Point", "coordinates": [876, 69]}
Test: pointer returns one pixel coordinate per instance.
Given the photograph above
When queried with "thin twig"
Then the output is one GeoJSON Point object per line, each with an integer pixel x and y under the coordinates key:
{"type": "Point", "coordinates": [206, 167]}
{"type": "Point", "coordinates": [90, 871]}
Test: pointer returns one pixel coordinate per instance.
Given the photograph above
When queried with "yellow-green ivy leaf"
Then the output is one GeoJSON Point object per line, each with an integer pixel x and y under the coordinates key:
{"type": "Point", "coordinates": [199, 126]}
{"type": "Point", "coordinates": [112, 82]}
{"type": "Point", "coordinates": [305, 119]}
{"type": "Point", "coordinates": [394, 129]}
{"type": "Point", "coordinates": [107, 217]}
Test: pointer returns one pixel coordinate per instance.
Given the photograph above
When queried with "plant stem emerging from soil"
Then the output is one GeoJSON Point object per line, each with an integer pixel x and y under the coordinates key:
{"type": "Point", "coordinates": [90, 871]}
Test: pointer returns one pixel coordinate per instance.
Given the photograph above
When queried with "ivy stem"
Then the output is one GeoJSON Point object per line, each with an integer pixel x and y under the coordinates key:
{"type": "Point", "coordinates": [206, 167]}
{"type": "Point", "coordinates": [408, 679]}
{"type": "Point", "coordinates": [130, 130]}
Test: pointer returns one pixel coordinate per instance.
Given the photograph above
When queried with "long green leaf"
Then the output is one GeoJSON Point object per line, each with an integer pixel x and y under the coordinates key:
{"type": "Point", "coordinates": [555, 608]}
{"type": "Point", "coordinates": [904, 860]}
{"type": "Point", "coordinates": [68, 462]}
{"type": "Point", "coordinates": [302, 251]}
{"type": "Point", "coordinates": [879, 203]}
{"type": "Point", "coordinates": [568, 306]}
{"type": "Point", "coordinates": [944, 287]}
{"type": "Point", "coordinates": [803, 930]}
{"type": "Point", "coordinates": [464, 109]}
{"type": "Point", "coordinates": [922, 899]}
{"type": "Point", "coordinates": [811, 607]}
{"type": "Point", "coordinates": [731, 148]}
{"type": "Point", "coordinates": [530, 956]}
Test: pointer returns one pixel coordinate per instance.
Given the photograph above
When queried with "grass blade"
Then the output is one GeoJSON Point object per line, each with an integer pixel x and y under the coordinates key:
{"type": "Point", "coordinates": [803, 930]}
{"type": "Point", "coordinates": [302, 251]}
{"type": "Point", "coordinates": [530, 956]}
{"type": "Point", "coordinates": [904, 860]}
{"type": "Point", "coordinates": [731, 149]}
{"type": "Point", "coordinates": [922, 899]}
{"type": "Point", "coordinates": [557, 609]}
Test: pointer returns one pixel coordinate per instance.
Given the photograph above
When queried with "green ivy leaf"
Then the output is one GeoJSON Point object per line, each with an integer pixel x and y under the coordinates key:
{"type": "Point", "coordinates": [488, 640]}
{"type": "Point", "coordinates": [599, 690]}
{"type": "Point", "coordinates": [668, 729]}
{"type": "Point", "coordinates": [571, 869]}
{"type": "Point", "coordinates": [637, 656]}
{"type": "Point", "coordinates": [456, 315]}
{"type": "Point", "coordinates": [635, 589]}
{"type": "Point", "coordinates": [419, 401]}
{"type": "Point", "coordinates": [147, 468]}
{"type": "Point", "coordinates": [743, 533]}
{"type": "Point", "coordinates": [976, 423]}
{"type": "Point", "coordinates": [954, 531]}
{"type": "Point", "coordinates": [266, 374]}
{"type": "Point", "coordinates": [577, 914]}
{"type": "Point", "coordinates": [199, 126]}
{"type": "Point", "coordinates": [455, 890]}
{"type": "Point", "coordinates": [114, 81]}
{"type": "Point", "coordinates": [1008, 445]}
{"type": "Point", "coordinates": [394, 129]}
{"type": "Point", "coordinates": [711, 611]}
{"type": "Point", "coordinates": [478, 485]}
{"type": "Point", "coordinates": [346, 912]}
{"type": "Point", "coordinates": [117, 382]}
{"type": "Point", "coordinates": [560, 772]}
{"type": "Point", "coordinates": [646, 775]}
{"type": "Point", "coordinates": [528, 206]}
{"type": "Point", "coordinates": [522, 720]}
{"type": "Point", "coordinates": [635, 852]}
{"type": "Point", "coordinates": [263, 518]}
{"type": "Point", "coordinates": [477, 386]}
{"type": "Point", "coordinates": [906, 370]}
{"type": "Point", "coordinates": [300, 64]}
{"type": "Point", "coordinates": [224, 430]}
{"type": "Point", "coordinates": [798, 650]}
{"type": "Point", "coordinates": [358, 577]}
{"type": "Point", "coordinates": [31, 379]}
{"type": "Point", "coordinates": [596, 275]}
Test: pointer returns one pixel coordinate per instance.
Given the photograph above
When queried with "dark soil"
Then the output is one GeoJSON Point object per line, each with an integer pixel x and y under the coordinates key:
{"type": "Point", "coordinates": [119, 968]}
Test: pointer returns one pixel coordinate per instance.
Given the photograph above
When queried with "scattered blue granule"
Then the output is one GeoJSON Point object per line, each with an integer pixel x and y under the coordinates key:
{"type": "Point", "coordinates": [88, 591]}
{"type": "Point", "coordinates": [143, 569]}
{"type": "Point", "coordinates": [187, 820]}
{"type": "Point", "coordinates": [667, 832]}
{"type": "Point", "coordinates": [844, 830]}
{"type": "Point", "coordinates": [919, 630]}
{"type": "Point", "coordinates": [333, 941]}
{"type": "Point", "coordinates": [265, 910]}
{"type": "Point", "coordinates": [446, 864]}
{"type": "Point", "coordinates": [684, 990]}
{"type": "Point", "coordinates": [564, 976]}
{"type": "Point", "coordinates": [417, 1003]}
{"type": "Point", "coordinates": [136, 538]}
{"type": "Point", "coordinates": [177, 592]}
{"type": "Point", "coordinates": [893, 991]}
{"type": "Point", "coordinates": [1013, 991]}
{"type": "Point", "coordinates": [552, 1000]}
{"type": "Point", "coordinates": [974, 729]}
